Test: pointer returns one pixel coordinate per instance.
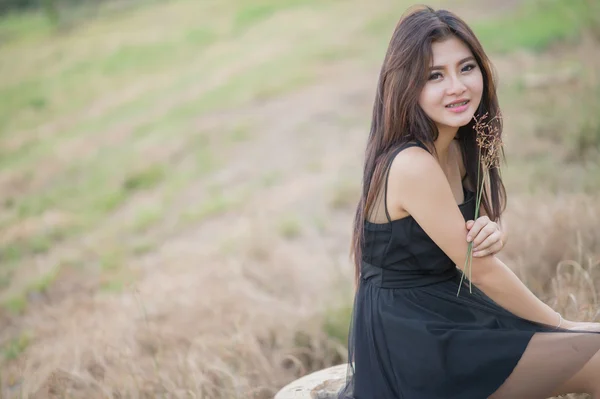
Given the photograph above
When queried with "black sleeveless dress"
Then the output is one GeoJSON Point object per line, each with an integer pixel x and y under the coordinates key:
{"type": "Point", "coordinates": [412, 337]}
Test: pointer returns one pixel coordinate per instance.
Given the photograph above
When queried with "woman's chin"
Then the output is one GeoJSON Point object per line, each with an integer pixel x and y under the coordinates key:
{"type": "Point", "coordinates": [455, 124]}
{"type": "Point", "coordinates": [460, 120]}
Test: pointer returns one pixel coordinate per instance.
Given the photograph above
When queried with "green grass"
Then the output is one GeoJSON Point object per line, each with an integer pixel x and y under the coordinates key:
{"type": "Point", "coordinates": [536, 24]}
{"type": "Point", "coordinates": [33, 98]}
{"type": "Point", "coordinates": [114, 285]}
{"type": "Point", "coordinates": [16, 346]}
{"type": "Point", "coordinates": [142, 247]}
{"type": "Point", "coordinates": [147, 217]}
{"type": "Point", "coordinates": [58, 87]}
{"type": "Point", "coordinates": [88, 199]}
{"type": "Point", "coordinates": [112, 260]}
{"type": "Point", "coordinates": [144, 179]}
{"type": "Point", "coordinates": [24, 25]}
{"type": "Point", "coordinates": [252, 13]}
{"type": "Point", "coordinates": [215, 205]}
{"type": "Point", "coordinates": [562, 153]}
{"type": "Point", "coordinates": [34, 244]}
{"type": "Point", "coordinates": [38, 97]}
{"type": "Point", "coordinates": [289, 227]}
{"type": "Point", "coordinates": [5, 278]}
{"type": "Point", "coordinates": [16, 304]}
{"type": "Point", "coordinates": [42, 283]}
{"type": "Point", "coordinates": [533, 25]}
{"type": "Point", "coordinates": [99, 193]}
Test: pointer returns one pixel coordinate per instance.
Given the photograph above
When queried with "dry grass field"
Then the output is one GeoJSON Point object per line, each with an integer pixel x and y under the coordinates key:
{"type": "Point", "coordinates": [178, 181]}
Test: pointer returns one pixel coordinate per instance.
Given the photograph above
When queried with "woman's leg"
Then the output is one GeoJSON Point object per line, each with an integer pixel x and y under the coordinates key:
{"type": "Point", "coordinates": [586, 380]}
{"type": "Point", "coordinates": [552, 364]}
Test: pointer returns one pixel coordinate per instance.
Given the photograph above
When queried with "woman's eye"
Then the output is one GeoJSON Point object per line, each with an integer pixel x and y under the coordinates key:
{"type": "Point", "coordinates": [468, 67]}
{"type": "Point", "coordinates": [435, 76]}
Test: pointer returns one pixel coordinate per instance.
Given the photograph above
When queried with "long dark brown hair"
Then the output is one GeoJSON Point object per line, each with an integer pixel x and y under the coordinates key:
{"type": "Point", "coordinates": [398, 118]}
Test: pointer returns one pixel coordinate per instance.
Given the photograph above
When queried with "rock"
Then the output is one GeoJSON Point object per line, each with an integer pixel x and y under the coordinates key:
{"type": "Point", "coordinates": [322, 384]}
{"type": "Point", "coordinates": [328, 389]}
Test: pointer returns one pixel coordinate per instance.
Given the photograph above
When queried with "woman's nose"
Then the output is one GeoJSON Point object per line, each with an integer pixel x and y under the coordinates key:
{"type": "Point", "coordinates": [456, 86]}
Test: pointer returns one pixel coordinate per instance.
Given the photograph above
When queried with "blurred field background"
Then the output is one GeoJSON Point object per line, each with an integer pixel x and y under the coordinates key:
{"type": "Point", "coordinates": [178, 181]}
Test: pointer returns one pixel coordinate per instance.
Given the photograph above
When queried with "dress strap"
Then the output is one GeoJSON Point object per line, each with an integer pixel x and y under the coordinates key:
{"type": "Point", "coordinates": [387, 172]}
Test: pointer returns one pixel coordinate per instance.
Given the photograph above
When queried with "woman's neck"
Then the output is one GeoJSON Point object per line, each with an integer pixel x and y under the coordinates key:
{"type": "Point", "coordinates": [443, 143]}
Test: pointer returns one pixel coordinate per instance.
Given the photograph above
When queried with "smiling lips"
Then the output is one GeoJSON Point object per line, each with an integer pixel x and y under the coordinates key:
{"type": "Point", "coordinates": [458, 106]}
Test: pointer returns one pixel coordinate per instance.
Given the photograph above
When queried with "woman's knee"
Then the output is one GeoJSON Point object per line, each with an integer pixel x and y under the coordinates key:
{"type": "Point", "coordinates": [591, 376]}
{"type": "Point", "coordinates": [584, 381]}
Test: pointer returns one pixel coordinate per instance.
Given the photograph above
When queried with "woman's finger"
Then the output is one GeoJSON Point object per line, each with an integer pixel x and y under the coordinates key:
{"type": "Point", "coordinates": [483, 235]}
{"type": "Point", "coordinates": [492, 243]}
{"type": "Point", "coordinates": [491, 239]}
{"type": "Point", "coordinates": [586, 326]}
{"type": "Point", "coordinates": [479, 224]}
{"type": "Point", "coordinates": [494, 249]}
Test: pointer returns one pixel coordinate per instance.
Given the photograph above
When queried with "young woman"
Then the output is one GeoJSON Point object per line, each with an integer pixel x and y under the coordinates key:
{"type": "Point", "coordinates": [412, 336]}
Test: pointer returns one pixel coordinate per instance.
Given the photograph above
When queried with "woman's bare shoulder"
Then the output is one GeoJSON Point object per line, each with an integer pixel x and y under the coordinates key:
{"type": "Point", "coordinates": [408, 169]}
{"type": "Point", "coordinates": [410, 161]}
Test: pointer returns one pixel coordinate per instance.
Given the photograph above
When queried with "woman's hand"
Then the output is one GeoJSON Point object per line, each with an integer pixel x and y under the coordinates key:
{"type": "Point", "coordinates": [486, 236]}
{"type": "Point", "coordinates": [581, 326]}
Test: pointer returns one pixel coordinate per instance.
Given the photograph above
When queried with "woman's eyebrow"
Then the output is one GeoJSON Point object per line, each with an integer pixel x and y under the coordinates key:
{"type": "Point", "coordinates": [469, 58]}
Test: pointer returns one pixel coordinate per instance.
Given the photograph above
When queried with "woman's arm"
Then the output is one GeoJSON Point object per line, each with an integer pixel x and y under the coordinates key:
{"type": "Point", "coordinates": [418, 185]}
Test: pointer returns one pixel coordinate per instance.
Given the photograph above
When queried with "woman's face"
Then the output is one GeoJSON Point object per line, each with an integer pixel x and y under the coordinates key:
{"type": "Point", "coordinates": [454, 86]}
